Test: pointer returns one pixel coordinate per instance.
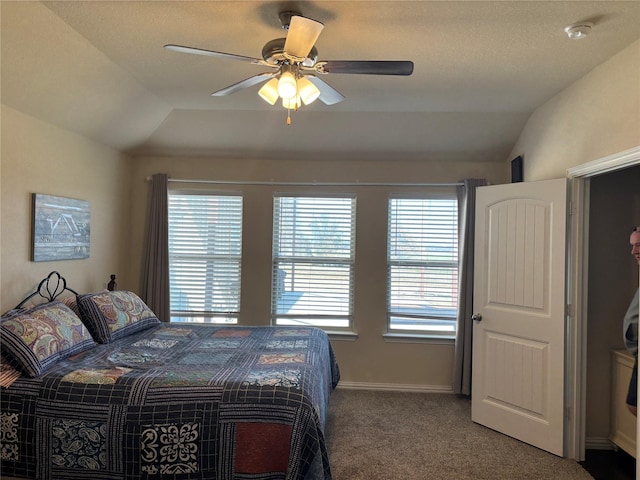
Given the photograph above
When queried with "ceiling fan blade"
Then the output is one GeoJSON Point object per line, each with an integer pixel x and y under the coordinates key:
{"type": "Point", "coordinates": [211, 53]}
{"type": "Point", "coordinates": [366, 67]}
{"type": "Point", "coordinates": [302, 36]}
{"type": "Point", "coordinates": [328, 94]}
{"type": "Point", "coordinates": [247, 82]}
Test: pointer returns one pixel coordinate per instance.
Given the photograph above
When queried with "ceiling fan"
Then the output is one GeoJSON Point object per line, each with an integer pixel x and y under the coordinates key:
{"type": "Point", "coordinates": [294, 66]}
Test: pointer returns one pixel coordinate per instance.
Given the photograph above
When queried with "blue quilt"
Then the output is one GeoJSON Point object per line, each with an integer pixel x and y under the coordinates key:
{"type": "Point", "coordinates": [177, 401]}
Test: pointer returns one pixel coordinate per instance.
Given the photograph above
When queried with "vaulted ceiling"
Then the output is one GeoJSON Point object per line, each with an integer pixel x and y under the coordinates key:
{"type": "Point", "coordinates": [99, 68]}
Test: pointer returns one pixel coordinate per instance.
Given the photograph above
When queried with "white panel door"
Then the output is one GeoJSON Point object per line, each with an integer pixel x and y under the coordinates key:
{"type": "Point", "coordinates": [519, 302]}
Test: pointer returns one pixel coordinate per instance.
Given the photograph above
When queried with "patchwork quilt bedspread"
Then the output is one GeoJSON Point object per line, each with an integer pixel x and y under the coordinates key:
{"type": "Point", "coordinates": [178, 401]}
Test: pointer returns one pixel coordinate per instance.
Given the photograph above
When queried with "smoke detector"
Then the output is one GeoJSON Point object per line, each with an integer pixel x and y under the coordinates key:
{"type": "Point", "coordinates": [578, 31]}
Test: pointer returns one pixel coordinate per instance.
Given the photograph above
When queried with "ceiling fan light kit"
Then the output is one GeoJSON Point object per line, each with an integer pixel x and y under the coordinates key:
{"type": "Point", "coordinates": [294, 60]}
{"type": "Point", "coordinates": [286, 87]}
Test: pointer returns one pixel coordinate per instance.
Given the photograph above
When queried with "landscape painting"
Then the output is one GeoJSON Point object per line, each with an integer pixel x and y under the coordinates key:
{"type": "Point", "coordinates": [61, 228]}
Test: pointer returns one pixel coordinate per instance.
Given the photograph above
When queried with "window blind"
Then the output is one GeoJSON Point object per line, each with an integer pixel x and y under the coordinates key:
{"type": "Point", "coordinates": [313, 257]}
{"type": "Point", "coordinates": [205, 247]}
{"type": "Point", "coordinates": [423, 264]}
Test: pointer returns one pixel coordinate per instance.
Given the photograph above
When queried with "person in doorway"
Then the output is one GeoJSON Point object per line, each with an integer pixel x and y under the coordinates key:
{"type": "Point", "coordinates": [630, 329]}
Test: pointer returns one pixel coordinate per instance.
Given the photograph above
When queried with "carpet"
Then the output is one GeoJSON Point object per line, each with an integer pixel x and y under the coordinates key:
{"type": "Point", "coordinates": [373, 435]}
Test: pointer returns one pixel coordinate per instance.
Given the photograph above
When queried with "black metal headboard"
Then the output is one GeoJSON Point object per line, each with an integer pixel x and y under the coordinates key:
{"type": "Point", "coordinates": [49, 288]}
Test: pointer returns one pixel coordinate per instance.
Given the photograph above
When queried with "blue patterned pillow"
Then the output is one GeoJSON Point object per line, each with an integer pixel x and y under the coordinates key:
{"type": "Point", "coordinates": [34, 339]}
{"type": "Point", "coordinates": [112, 315]}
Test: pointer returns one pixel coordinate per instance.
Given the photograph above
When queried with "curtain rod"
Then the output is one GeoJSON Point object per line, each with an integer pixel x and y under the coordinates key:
{"type": "Point", "coordinates": [314, 184]}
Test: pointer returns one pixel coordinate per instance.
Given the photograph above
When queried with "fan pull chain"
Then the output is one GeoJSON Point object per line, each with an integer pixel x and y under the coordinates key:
{"type": "Point", "coordinates": [295, 109]}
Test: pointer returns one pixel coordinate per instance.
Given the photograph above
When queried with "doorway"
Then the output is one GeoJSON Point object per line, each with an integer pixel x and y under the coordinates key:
{"type": "Point", "coordinates": [614, 207]}
{"type": "Point", "coordinates": [577, 361]}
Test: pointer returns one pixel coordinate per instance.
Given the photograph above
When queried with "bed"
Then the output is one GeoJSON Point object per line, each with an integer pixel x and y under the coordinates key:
{"type": "Point", "coordinates": [106, 391]}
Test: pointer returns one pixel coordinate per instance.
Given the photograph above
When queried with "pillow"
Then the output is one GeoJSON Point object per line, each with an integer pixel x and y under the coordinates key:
{"type": "Point", "coordinates": [35, 338]}
{"type": "Point", "coordinates": [72, 303]}
{"type": "Point", "coordinates": [8, 373]}
{"type": "Point", "coordinates": [112, 315]}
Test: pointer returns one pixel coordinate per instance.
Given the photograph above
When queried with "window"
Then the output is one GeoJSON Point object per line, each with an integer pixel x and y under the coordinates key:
{"type": "Point", "coordinates": [313, 257]}
{"type": "Point", "coordinates": [423, 265]}
{"type": "Point", "coordinates": [205, 245]}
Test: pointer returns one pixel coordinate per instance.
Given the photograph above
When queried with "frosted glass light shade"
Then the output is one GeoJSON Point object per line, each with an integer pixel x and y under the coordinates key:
{"type": "Point", "coordinates": [269, 91]}
{"type": "Point", "coordinates": [307, 90]}
{"type": "Point", "coordinates": [292, 103]}
{"type": "Point", "coordinates": [287, 87]}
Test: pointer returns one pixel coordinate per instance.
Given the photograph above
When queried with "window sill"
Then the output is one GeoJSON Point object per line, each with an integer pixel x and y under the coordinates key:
{"type": "Point", "coordinates": [419, 338]}
{"type": "Point", "coordinates": [339, 335]}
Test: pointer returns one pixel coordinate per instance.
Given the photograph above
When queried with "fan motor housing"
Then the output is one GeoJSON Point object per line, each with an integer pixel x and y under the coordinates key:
{"type": "Point", "coordinates": [273, 52]}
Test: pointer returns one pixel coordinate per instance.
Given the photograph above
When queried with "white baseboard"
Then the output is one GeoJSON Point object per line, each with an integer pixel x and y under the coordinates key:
{"type": "Point", "coordinates": [598, 443]}
{"type": "Point", "coordinates": [395, 387]}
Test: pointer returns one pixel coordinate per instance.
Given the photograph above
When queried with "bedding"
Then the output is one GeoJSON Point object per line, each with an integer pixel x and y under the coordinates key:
{"type": "Point", "coordinates": [33, 339]}
{"type": "Point", "coordinates": [179, 401]}
{"type": "Point", "coordinates": [112, 315]}
{"type": "Point", "coordinates": [154, 400]}
{"type": "Point", "coordinates": [8, 373]}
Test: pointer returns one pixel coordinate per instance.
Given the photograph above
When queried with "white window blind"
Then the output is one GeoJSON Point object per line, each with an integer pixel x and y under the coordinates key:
{"type": "Point", "coordinates": [313, 258]}
{"type": "Point", "coordinates": [205, 246]}
{"type": "Point", "coordinates": [423, 265]}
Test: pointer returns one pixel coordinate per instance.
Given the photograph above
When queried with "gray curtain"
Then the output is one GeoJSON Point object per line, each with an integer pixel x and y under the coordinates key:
{"type": "Point", "coordinates": [467, 224]}
{"type": "Point", "coordinates": [155, 273]}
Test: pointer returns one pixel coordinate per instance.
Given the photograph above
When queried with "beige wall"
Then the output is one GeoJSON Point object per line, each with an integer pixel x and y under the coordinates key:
{"type": "Point", "coordinates": [597, 116]}
{"type": "Point", "coordinates": [368, 359]}
{"type": "Point", "coordinates": [40, 158]}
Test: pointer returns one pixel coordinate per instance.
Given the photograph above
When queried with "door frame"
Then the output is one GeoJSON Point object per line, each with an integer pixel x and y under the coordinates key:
{"type": "Point", "coordinates": [577, 288]}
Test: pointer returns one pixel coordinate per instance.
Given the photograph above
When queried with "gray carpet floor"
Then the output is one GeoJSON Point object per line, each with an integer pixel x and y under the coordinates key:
{"type": "Point", "coordinates": [415, 436]}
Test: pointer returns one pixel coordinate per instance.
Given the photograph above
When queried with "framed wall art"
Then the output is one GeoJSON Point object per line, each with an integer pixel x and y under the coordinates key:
{"type": "Point", "coordinates": [61, 228]}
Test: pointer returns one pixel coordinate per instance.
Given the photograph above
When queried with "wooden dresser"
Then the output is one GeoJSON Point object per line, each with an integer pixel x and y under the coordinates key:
{"type": "Point", "coordinates": [623, 423]}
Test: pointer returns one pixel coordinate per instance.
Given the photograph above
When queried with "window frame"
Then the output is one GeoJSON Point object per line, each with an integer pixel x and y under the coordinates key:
{"type": "Point", "coordinates": [447, 330]}
{"type": "Point", "coordinates": [277, 259]}
{"type": "Point", "coordinates": [230, 317]}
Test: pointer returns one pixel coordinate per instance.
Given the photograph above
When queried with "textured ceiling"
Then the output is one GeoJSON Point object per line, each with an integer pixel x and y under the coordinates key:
{"type": "Point", "coordinates": [98, 68]}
